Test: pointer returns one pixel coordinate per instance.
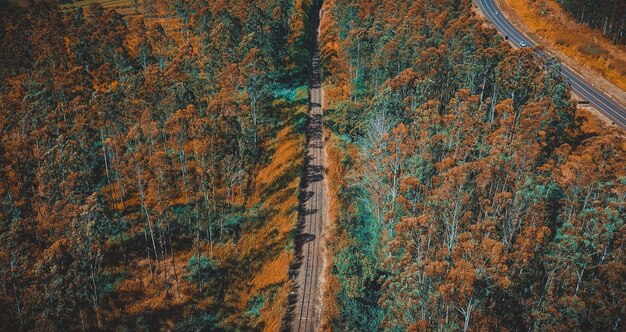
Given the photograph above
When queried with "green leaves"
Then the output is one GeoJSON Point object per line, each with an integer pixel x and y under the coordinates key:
{"type": "Point", "coordinates": [201, 269]}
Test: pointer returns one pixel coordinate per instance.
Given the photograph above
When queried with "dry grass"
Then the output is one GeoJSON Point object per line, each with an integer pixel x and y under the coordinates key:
{"type": "Point", "coordinates": [335, 175]}
{"type": "Point", "coordinates": [590, 123]}
{"type": "Point", "coordinates": [139, 293]}
{"type": "Point", "coordinates": [546, 19]}
{"type": "Point", "coordinates": [274, 273]}
{"type": "Point", "coordinates": [593, 124]}
{"type": "Point", "coordinates": [277, 187]}
{"type": "Point", "coordinates": [278, 191]}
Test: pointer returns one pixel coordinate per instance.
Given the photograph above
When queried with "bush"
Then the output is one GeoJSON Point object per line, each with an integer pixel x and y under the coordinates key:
{"type": "Point", "coordinates": [201, 270]}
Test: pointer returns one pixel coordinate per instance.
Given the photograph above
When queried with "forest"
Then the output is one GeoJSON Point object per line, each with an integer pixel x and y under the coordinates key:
{"type": "Point", "coordinates": [608, 16]}
{"type": "Point", "coordinates": [469, 193]}
{"type": "Point", "coordinates": [150, 164]}
{"type": "Point", "coordinates": [152, 161]}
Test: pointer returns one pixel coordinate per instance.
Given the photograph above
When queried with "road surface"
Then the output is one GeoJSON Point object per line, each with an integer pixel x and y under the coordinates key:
{"type": "Point", "coordinates": [306, 314]}
{"type": "Point", "coordinates": [605, 104]}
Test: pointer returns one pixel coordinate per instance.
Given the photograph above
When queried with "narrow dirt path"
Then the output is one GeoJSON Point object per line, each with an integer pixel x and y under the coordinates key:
{"type": "Point", "coordinates": [307, 308]}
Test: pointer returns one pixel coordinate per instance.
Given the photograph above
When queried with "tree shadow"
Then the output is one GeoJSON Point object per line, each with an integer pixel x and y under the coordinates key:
{"type": "Point", "coordinates": [312, 173]}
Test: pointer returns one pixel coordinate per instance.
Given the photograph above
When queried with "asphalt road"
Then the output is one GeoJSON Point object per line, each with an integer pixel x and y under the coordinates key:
{"type": "Point", "coordinates": [580, 86]}
{"type": "Point", "coordinates": [307, 309]}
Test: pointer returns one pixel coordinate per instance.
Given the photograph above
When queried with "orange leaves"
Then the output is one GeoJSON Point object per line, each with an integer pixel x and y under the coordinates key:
{"type": "Point", "coordinates": [419, 326]}
{"type": "Point", "coordinates": [437, 268]}
{"type": "Point", "coordinates": [57, 252]}
{"type": "Point", "coordinates": [413, 223]}
{"type": "Point", "coordinates": [445, 164]}
{"type": "Point", "coordinates": [503, 197]}
{"type": "Point", "coordinates": [460, 281]}
{"type": "Point", "coordinates": [614, 272]}
{"type": "Point", "coordinates": [409, 183]}
{"type": "Point", "coordinates": [530, 240]}
{"type": "Point", "coordinates": [597, 159]}
{"type": "Point", "coordinates": [332, 48]}
{"type": "Point", "coordinates": [251, 59]}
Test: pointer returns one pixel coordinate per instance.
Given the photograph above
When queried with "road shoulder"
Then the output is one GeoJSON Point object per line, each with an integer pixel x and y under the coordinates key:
{"type": "Point", "coordinates": [590, 74]}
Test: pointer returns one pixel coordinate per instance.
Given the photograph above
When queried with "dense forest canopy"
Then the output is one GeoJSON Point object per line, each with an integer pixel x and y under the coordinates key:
{"type": "Point", "coordinates": [472, 198]}
{"type": "Point", "coordinates": [608, 16]}
{"type": "Point", "coordinates": [149, 165]}
{"type": "Point", "coordinates": [150, 170]}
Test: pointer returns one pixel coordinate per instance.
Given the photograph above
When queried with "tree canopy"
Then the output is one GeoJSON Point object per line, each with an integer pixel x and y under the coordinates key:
{"type": "Point", "coordinates": [473, 199]}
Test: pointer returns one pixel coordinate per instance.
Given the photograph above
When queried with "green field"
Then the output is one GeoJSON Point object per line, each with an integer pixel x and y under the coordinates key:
{"type": "Point", "coordinates": [125, 7]}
